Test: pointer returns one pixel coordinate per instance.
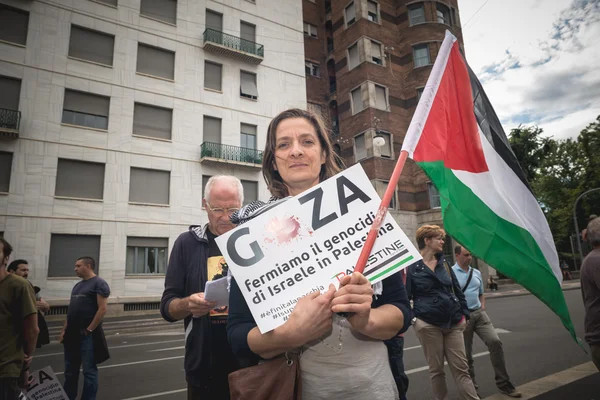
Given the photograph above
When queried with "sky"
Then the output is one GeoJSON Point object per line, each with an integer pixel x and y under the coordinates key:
{"type": "Point", "coordinates": [538, 60]}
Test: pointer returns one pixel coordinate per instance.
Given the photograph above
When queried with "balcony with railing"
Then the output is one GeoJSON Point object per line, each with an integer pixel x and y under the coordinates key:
{"type": "Point", "coordinates": [233, 46]}
{"type": "Point", "coordinates": [9, 123]}
{"type": "Point", "coordinates": [223, 153]}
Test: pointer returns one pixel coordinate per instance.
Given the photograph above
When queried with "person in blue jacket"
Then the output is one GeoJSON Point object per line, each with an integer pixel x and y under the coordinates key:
{"type": "Point", "coordinates": [441, 312]}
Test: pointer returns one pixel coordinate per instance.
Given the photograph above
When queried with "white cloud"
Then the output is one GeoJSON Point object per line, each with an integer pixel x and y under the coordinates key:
{"type": "Point", "coordinates": [539, 62]}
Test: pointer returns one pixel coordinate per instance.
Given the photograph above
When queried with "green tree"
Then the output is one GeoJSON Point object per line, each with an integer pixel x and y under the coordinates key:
{"type": "Point", "coordinates": [530, 148]}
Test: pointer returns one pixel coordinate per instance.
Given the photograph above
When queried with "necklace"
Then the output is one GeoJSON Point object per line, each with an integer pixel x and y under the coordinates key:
{"type": "Point", "coordinates": [340, 321]}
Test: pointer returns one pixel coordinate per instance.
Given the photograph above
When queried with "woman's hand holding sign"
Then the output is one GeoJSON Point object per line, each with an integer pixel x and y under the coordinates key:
{"type": "Point", "coordinates": [312, 316]}
{"type": "Point", "coordinates": [354, 297]}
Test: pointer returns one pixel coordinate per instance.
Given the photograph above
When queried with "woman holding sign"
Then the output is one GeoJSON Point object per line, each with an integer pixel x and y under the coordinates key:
{"type": "Point", "coordinates": [341, 358]}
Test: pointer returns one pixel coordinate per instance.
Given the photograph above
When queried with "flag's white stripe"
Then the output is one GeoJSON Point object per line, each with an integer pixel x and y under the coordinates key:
{"type": "Point", "coordinates": [504, 193]}
{"type": "Point", "coordinates": [415, 129]}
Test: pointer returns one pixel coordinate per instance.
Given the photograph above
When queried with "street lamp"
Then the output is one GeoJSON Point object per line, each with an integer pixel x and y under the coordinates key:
{"type": "Point", "coordinates": [577, 225]}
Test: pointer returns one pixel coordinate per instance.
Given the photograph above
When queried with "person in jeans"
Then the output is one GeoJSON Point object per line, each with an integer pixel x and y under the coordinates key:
{"type": "Point", "coordinates": [441, 314]}
{"type": "Point", "coordinates": [82, 334]}
{"type": "Point", "coordinates": [18, 328]}
{"type": "Point", "coordinates": [471, 283]}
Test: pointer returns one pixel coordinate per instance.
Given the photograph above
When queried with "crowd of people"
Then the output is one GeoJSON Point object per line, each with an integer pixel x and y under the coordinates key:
{"type": "Point", "coordinates": [345, 336]}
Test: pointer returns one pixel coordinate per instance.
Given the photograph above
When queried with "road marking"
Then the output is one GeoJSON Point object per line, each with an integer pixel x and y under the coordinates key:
{"type": "Point", "coordinates": [167, 349]}
{"type": "Point", "coordinates": [500, 330]}
{"type": "Point", "coordinates": [411, 348]}
{"type": "Point", "coordinates": [131, 363]}
{"type": "Point", "coordinates": [425, 368]}
{"type": "Point", "coordinates": [114, 347]}
{"type": "Point", "coordinates": [156, 394]}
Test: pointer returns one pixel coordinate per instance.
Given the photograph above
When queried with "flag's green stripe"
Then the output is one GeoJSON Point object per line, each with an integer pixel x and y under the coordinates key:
{"type": "Point", "coordinates": [391, 268]}
{"type": "Point", "coordinates": [503, 245]}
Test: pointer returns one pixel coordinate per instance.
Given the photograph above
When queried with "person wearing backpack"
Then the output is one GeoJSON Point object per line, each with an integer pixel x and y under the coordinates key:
{"type": "Point", "coordinates": [471, 283]}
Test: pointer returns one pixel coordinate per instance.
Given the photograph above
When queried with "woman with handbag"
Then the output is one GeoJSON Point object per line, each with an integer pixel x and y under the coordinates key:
{"type": "Point", "coordinates": [440, 312]}
{"type": "Point", "coordinates": [341, 357]}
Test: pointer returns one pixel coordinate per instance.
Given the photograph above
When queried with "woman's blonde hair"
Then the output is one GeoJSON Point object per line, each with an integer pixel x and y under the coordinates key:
{"type": "Point", "coordinates": [426, 232]}
{"type": "Point", "coordinates": [332, 161]}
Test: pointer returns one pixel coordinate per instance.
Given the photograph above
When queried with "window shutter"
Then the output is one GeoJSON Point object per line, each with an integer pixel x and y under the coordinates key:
{"type": "Point", "coordinates": [162, 10]}
{"type": "Point", "coordinates": [248, 84]}
{"type": "Point", "coordinates": [350, 13]}
{"type": "Point", "coordinates": [64, 249]}
{"type": "Point", "coordinates": [149, 186]}
{"type": "Point", "coordinates": [386, 149]}
{"type": "Point", "coordinates": [212, 75]}
{"type": "Point", "coordinates": [250, 191]}
{"type": "Point", "coordinates": [11, 93]}
{"type": "Point", "coordinates": [91, 45]}
{"type": "Point", "coordinates": [86, 103]}
{"type": "Point", "coordinates": [248, 31]}
{"type": "Point", "coordinates": [357, 102]}
{"type": "Point", "coordinates": [212, 130]}
{"type": "Point", "coordinates": [360, 147]}
{"type": "Point", "coordinates": [152, 121]}
{"type": "Point", "coordinates": [14, 24]}
{"type": "Point", "coordinates": [147, 242]}
{"type": "Point", "coordinates": [376, 50]}
{"type": "Point", "coordinates": [372, 7]}
{"type": "Point", "coordinates": [5, 170]}
{"type": "Point", "coordinates": [214, 20]}
{"type": "Point", "coordinates": [156, 62]}
{"type": "Point", "coordinates": [80, 179]}
{"type": "Point", "coordinates": [380, 98]}
{"type": "Point", "coordinates": [353, 56]}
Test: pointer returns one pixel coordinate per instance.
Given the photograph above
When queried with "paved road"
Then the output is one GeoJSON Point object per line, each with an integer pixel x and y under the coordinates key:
{"type": "Point", "coordinates": [536, 345]}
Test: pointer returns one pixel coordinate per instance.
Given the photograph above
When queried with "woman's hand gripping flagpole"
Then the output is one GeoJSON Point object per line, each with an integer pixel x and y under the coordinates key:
{"type": "Point", "coordinates": [379, 217]}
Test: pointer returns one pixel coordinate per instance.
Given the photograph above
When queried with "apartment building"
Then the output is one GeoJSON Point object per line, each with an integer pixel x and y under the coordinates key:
{"type": "Point", "coordinates": [366, 63]}
{"type": "Point", "coordinates": [114, 113]}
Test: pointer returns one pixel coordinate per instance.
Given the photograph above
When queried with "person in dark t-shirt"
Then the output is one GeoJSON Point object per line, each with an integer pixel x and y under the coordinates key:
{"type": "Point", "coordinates": [194, 260]}
{"type": "Point", "coordinates": [87, 308]}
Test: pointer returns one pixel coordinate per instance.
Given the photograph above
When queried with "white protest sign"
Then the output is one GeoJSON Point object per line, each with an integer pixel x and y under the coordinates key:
{"type": "Point", "coordinates": [310, 241]}
{"type": "Point", "coordinates": [45, 386]}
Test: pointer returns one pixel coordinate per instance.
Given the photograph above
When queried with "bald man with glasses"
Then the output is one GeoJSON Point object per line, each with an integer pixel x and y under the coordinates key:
{"type": "Point", "coordinates": [194, 260]}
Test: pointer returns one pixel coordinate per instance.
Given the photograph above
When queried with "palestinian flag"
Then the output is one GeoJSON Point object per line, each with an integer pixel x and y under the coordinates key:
{"type": "Point", "coordinates": [487, 204]}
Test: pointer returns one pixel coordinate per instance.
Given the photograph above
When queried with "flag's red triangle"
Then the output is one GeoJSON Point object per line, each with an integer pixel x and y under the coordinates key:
{"type": "Point", "coordinates": [451, 133]}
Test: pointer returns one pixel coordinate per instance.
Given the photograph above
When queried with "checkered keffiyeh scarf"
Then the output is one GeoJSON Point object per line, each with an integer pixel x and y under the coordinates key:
{"type": "Point", "coordinates": [254, 209]}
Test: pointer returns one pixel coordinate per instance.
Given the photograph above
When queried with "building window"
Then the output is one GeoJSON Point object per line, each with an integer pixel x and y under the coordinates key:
{"type": "Point", "coordinates": [10, 89]}
{"type": "Point", "coordinates": [434, 196]}
{"type": "Point", "coordinates": [152, 121]}
{"type": "Point", "coordinates": [380, 187]}
{"type": "Point", "coordinates": [443, 14]}
{"type": "Point", "coordinates": [211, 130]}
{"type": "Point", "coordinates": [149, 186]}
{"type": "Point", "coordinates": [13, 25]}
{"type": "Point", "coordinates": [214, 20]}
{"type": "Point", "coordinates": [310, 30]}
{"type": "Point", "coordinates": [420, 93]}
{"type": "Point", "coordinates": [85, 109]}
{"type": "Point", "coordinates": [311, 69]}
{"type": "Point", "coordinates": [248, 87]}
{"type": "Point", "coordinates": [353, 56]}
{"type": "Point", "coordinates": [79, 179]}
{"type": "Point", "coordinates": [90, 45]}
{"type": "Point", "coordinates": [146, 256]}
{"type": "Point", "coordinates": [250, 191]}
{"type": "Point", "coordinates": [161, 10]}
{"type": "Point", "coordinates": [386, 150]}
{"type": "Point", "coordinates": [421, 55]}
{"type": "Point", "coordinates": [248, 136]}
{"type": "Point", "coordinates": [357, 102]}
{"type": "Point", "coordinates": [5, 170]}
{"type": "Point", "coordinates": [454, 17]}
{"type": "Point", "coordinates": [109, 2]}
{"type": "Point", "coordinates": [416, 14]}
{"type": "Point", "coordinates": [316, 109]}
{"type": "Point", "coordinates": [373, 11]}
{"type": "Point", "coordinates": [360, 147]}
{"type": "Point", "coordinates": [248, 31]}
{"type": "Point", "coordinates": [155, 61]}
{"type": "Point", "coordinates": [381, 97]}
{"type": "Point", "coordinates": [66, 249]}
{"type": "Point", "coordinates": [376, 53]}
{"type": "Point", "coordinates": [212, 75]}
{"type": "Point", "coordinates": [350, 14]}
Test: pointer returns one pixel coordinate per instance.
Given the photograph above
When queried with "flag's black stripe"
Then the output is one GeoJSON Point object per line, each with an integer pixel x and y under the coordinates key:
{"type": "Point", "coordinates": [383, 264]}
{"type": "Point", "coordinates": [492, 128]}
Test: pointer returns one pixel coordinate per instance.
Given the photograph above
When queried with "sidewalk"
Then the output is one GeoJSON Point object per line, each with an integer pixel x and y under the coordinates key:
{"type": "Point", "coordinates": [514, 289]}
{"type": "Point", "coordinates": [578, 383]}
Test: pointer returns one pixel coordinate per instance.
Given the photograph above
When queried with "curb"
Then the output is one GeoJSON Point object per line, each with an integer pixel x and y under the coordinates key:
{"type": "Point", "coordinates": [551, 382]}
{"type": "Point", "coordinates": [523, 292]}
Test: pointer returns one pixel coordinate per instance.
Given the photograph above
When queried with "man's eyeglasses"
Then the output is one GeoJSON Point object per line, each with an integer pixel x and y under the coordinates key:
{"type": "Point", "coordinates": [221, 211]}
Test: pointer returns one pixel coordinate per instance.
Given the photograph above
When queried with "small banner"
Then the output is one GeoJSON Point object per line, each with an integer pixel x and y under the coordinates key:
{"type": "Point", "coordinates": [310, 241]}
{"type": "Point", "coordinates": [44, 386]}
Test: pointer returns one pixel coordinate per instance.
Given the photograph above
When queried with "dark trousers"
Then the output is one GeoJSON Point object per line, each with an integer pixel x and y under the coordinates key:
{"type": "Point", "coordinates": [396, 354]}
{"type": "Point", "coordinates": [212, 390]}
{"type": "Point", "coordinates": [9, 389]}
{"type": "Point", "coordinates": [75, 358]}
